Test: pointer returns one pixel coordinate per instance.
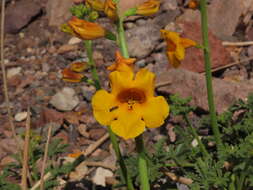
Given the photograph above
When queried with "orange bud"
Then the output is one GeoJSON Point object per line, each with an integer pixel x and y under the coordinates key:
{"type": "Point", "coordinates": [70, 76]}
{"type": "Point", "coordinates": [97, 5]}
{"type": "Point", "coordinates": [148, 8]}
{"type": "Point", "coordinates": [78, 66]}
{"type": "Point", "coordinates": [110, 9]}
{"type": "Point", "coordinates": [75, 155]}
{"type": "Point", "coordinates": [193, 4]}
{"type": "Point", "coordinates": [86, 30]}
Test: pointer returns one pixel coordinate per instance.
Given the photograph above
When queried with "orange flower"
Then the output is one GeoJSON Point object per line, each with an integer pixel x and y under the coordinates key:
{"type": "Point", "coordinates": [97, 5]}
{"type": "Point", "coordinates": [176, 46]}
{"type": "Point", "coordinates": [86, 30]}
{"type": "Point", "coordinates": [148, 8]}
{"type": "Point", "coordinates": [70, 76]}
{"type": "Point", "coordinates": [110, 9]}
{"type": "Point", "coordinates": [121, 64]}
{"type": "Point", "coordinates": [78, 66]}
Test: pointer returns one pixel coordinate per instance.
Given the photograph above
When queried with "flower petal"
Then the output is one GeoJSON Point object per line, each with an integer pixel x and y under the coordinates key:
{"type": "Point", "coordinates": [185, 42]}
{"type": "Point", "coordinates": [120, 82]}
{"type": "Point", "coordinates": [103, 103]}
{"type": "Point", "coordinates": [128, 124]}
{"type": "Point", "coordinates": [155, 111]}
{"type": "Point", "coordinates": [145, 80]}
{"type": "Point", "coordinates": [173, 59]}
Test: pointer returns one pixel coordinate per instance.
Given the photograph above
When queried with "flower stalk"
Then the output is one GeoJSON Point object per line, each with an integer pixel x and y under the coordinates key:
{"type": "Point", "coordinates": [91, 63]}
{"type": "Point", "coordinates": [121, 38]}
{"type": "Point", "coordinates": [206, 50]}
{"type": "Point", "coordinates": [125, 176]}
{"type": "Point", "coordinates": [142, 163]}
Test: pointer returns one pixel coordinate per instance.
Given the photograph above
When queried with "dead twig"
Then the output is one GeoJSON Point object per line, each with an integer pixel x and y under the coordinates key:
{"type": "Point", "coordinates": [95, 145]}
{"type": "Point", "coordinates": [88, 151]}
{"type": "Point", "coordinates": [26, 152]}
{"type": "Point", "coordinates": [100, 164]}
{"type": "Point", "coordinates": [231, 64]}
{"type": "Point", "coordinates": [174, 177]}
{"type": "Point", "coordinates": [248, 43]}
{"type": "Point", "coordinates": [45, 158]}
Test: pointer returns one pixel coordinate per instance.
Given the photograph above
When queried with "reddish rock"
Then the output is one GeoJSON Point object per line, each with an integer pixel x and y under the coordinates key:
{"type": "Point", "coordinates": [190, 84]}
{"type": "Point", "coordinates": [20, 14]}
{"type": "Point", "coordinates": [194, 56]}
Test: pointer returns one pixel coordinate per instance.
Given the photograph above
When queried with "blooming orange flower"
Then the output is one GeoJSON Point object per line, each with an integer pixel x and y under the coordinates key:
{"type": "Point", "coordinates": [110, 9]}
{"type": "Point", "coordinates": [70, 76]}
{"type": "Point", "coordinates": [78, 66]}
{"type": "Point", "coordinates": [86, 30]}
{"type": "Point", "coordinates": [176, 46]}
{"type": "Point", "coordinates": [148, 8]}
{"type": "Point", "coordinates": [121, 64]}
{"type": "Point", "coordinates": [131, 105]}
{"type": "Point", "coordinates": [97, 5]}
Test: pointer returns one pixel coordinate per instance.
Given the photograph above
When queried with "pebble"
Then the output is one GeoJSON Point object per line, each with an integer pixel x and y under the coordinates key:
{"type": "Point", "coordinates": [74, 40]}
{"type": "Point", "coordinates": [21, 116]}
{"type": "Point", "coordinates": [65, 100]}
{"type": "Point", "coordinates": [88, 92]}
{"type": "Point", "coordinates": [13, 71]}
{"type": "Point", "coordinates": [141, 63]}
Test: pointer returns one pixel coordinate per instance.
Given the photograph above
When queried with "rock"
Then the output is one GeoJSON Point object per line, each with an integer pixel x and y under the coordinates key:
{"type": "Point", "coordinates": [141, 63]}
{"type": "Point", "coordinates": [74, 40]}
{"type": "Point", "coordinates": [13, 71]}
{"type": "Point", "coordinates": [58, 11]}
{"type": "Point", "coordinates": [100, 176]}
{"type": "Point", "coordinates": [190, 84]}
{"type": "Point", "coordinates": [80, 172]}
{"type": "Point", "coordinates": [143, 39]}
{"type": "Point", "coordinates": [21, 116]}
{"type": "Point", "coordinates": [67, 48]}
{"type": "Point", "coordinates": [96, 134]}
{"type": "Point", "coordinates": [65, 100]}
{"type": "Point", "coordinates": [88, 91]}
{"type": "Point", "coordinates": [223, 16]}
{"type": "Point", "coordinates": [20, 14]}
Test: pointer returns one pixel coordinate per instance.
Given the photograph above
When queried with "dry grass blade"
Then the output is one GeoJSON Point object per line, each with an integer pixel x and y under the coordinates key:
{"type": "Point", "coordinates": [45, 158]}
{"type": "Point", "coordinates": [26, 152]}
{"type": "Point", "coordinates": [248, 43]}
{"type": "Point", "coordinates": [5, 87]}
{"type": "Point", "coordinates": [174, 177]}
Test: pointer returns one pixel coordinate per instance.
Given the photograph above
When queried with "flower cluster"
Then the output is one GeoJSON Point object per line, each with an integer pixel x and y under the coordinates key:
{"type": "Point", "coordinates": [131, 105]}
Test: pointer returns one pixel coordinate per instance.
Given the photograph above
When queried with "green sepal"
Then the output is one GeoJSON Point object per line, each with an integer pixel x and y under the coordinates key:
{"type": "Point", "coordinates": [80, 11]}
{"type": "Point", "coordinates": [130, 12]}
{"type": "Point", "coordinates": [110, 36]}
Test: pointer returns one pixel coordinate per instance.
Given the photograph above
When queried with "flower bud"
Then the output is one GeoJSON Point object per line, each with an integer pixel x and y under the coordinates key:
{"type": "Point", "coordinates": [86, 30]}
{"type": "Point", "coordinates": [148, 8]}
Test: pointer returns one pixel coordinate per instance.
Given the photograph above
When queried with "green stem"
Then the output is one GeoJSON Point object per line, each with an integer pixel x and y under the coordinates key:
{"type": "Point", "coordinates": [92, 65]}
{"type": "Point", "coordinates": [142, 163]}
{"type": "Point", "coordinates": [241, 180]}
{"type": "Point", "coordinates": [125, 176]}
{"type": "Point", "coordinates": [195, 135]}
{"type": "Point", "coordinates": [204, 26]}
{"type": "Point", "coordinates": [122, 39]}
{"type": "Point", "coordinates": [121, 161]}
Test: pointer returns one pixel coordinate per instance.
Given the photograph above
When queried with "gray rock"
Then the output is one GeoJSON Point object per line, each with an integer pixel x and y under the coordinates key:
{"type": "Point", "coordinates": [141, 63]}
{"type": "Point", "coordinates": [88, 91]}
{"type": "Point", "coordinates": [65, 100]}
{"type": "Point", "coordinates": [21, 116]}
{"type": "Point", "coordinates": [20, 14]}
{"type": "Point", "coordinates": [58, 11]}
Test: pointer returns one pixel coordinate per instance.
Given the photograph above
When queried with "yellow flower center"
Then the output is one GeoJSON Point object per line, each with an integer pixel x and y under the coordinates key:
{"type": "Point", "coordinates": [131, 96]}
